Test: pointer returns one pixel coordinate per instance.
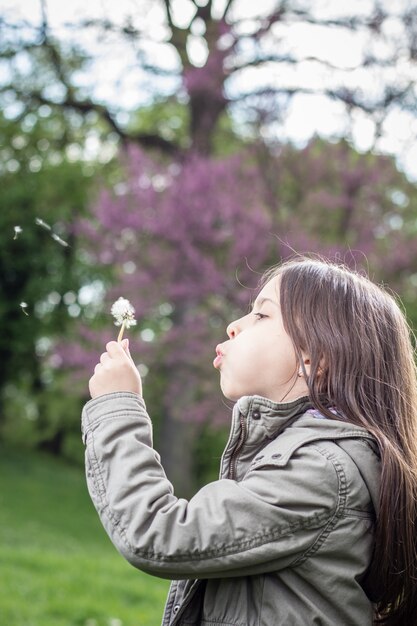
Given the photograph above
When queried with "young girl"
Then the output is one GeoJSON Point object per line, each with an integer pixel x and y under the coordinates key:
{"type": "Point", "coordinates": [313, 518]}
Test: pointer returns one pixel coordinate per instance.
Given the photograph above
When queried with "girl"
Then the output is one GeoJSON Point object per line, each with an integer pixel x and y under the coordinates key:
{"type": "Point", "coordinates": [313, 518]}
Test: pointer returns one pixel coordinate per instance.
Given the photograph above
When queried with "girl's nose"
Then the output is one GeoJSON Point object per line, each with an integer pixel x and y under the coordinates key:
{"type": "Point", "coordinates": [232, 330]}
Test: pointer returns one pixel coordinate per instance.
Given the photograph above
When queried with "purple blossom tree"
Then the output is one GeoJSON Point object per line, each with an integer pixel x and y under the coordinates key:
{"type": "Point", "coordinates": [185, 242]}
{"type": "Point", "coordinates": [179, 238]}
{"type": "Point", "coordinates": [359, 207]}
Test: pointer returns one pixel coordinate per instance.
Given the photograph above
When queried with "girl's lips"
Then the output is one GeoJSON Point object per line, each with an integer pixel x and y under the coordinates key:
{"type": "Point", "coordinates": [218, 358]}
{"type": "Point", "coordinates": [217, 361]}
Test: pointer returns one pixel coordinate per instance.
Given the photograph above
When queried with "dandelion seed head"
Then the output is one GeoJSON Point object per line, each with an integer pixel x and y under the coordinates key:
{"type": "Point", "coordinates": [123, 311]}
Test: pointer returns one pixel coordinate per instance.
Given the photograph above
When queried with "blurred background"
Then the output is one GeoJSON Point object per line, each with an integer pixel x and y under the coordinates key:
{"type": "Point", "coordinates": [169, 151]}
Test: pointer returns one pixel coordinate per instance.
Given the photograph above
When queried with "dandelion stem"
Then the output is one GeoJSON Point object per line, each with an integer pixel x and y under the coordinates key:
{"type": "Point", "coordinates": [120, 337]}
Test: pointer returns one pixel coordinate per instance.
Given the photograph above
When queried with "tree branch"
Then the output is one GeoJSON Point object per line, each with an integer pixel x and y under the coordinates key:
{"type": "Point", "coordinates": [298, 15]}
{"type": "Point", "coordinates": [352, 23]}
{"type": "Point", "coordinates": [148, 140]}
{"type": "Point", "coordinates": [44, 25]}
{"type": "Point", "coordinates": [159, 71]}
{"type": "Point", "coordinates": [203, 12]}
{"type": "Point", "coordinates": [178, 35]}
{"type": "Point", "coordinates": [369, 61]}
{"type": "Point", "coordinates": [167, 4]}
{"type": "Point", "coordinates": [348, 97]}
{"type": "Point", "coordinates": [267, 22]}
{"type": "Point", "coordinates": [227, 8]}
{"type": "Point", "coordinates": [106, 25]}
{"type": "Point", "coordinates": [56, 62]}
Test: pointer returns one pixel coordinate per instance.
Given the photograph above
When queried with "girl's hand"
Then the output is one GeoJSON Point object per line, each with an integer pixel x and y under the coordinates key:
{"type": "Point", "coordinates": [115, 372]}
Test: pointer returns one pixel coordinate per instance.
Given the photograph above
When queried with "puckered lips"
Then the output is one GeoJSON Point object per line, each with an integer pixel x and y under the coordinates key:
{"type": "Point", "coordinates": [217, 361]}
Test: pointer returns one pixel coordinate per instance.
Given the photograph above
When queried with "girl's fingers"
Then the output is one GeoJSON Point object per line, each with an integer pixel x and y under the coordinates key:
{"type": "Point", "coordinates": [118, 350]}
{"type": "Point", "coordinates": [104, 357]}
{"type": "Point", "coordinates": [115, 372]}
{"type": "Point", "coordinates": [114, 349]}
{"type": "Point", "coordinates": [125, 346]}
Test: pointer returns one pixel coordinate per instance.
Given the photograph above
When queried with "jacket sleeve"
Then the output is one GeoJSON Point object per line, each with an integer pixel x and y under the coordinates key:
{"type": "Point", "coordinates": [267, 521]}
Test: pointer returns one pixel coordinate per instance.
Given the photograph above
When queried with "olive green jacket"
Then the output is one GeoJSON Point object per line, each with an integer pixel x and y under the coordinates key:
{"type": "Point", "coordinates": [285, 535]}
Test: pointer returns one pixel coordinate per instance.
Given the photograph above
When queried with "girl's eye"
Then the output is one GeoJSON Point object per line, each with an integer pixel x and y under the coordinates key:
{"type": "Point", "coordinates": [259, 315]}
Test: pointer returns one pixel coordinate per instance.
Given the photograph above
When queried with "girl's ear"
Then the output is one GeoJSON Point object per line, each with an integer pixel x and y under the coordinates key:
{"type": "Point", "coordinates": [304, 369]}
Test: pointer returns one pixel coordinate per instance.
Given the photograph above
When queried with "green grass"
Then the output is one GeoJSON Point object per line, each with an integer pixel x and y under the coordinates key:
{"type": "Point", "coordinates": [57, 565]}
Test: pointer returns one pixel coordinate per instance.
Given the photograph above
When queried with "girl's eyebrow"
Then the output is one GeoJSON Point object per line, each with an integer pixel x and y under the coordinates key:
{"type": "Point", "coordinates": [262, 300]}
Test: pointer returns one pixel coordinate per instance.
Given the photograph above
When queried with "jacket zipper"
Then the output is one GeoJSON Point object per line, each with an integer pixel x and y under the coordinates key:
{"type": "Point", "coordinates": [239, 446]}
{"type": "Point", "coordinates": [186, 600]}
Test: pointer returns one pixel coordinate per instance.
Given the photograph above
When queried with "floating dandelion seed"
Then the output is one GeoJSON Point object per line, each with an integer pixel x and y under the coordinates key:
{"type": "Point", "coordinates": [17, 231]}
{"type": "Point", "coordinates": [124, 314]}
{"type": "Point", "coordinates": [43, 224]}
{"type": "Point", "coordinates": [24, 306]}
{"type": "Point", "coordinates": [54, 236]}
{"type": "Point", "coordinates": [58, 239]}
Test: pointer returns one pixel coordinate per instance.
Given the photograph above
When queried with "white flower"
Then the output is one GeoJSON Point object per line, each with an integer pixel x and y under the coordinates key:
{"type": "Point", "coordinates": [124, 313]}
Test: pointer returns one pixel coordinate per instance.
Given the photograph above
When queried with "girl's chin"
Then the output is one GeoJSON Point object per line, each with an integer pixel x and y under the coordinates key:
{"type": "Point", "coordinates": [228, 393]}
{"type": "Point", "coordinates": [233, 394]}
{"type": "Point", "coordinates": [230, 397]}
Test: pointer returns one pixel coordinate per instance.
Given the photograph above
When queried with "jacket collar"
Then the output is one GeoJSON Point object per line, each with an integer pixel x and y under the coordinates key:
{"type": "Point", "coordinates": [265, 419]}
{"type": "Point", "coordinates": [255, 420]}
{"type": "Point", "coordinates": [259, 407]}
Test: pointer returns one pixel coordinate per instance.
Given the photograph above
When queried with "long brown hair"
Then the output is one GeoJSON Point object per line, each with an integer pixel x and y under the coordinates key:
{"type": "Point", "coordinates": [362, 363]}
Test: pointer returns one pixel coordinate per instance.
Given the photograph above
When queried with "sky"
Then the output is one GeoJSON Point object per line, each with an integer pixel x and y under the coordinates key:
{"type": "Point", "coordinates": [118, 81]}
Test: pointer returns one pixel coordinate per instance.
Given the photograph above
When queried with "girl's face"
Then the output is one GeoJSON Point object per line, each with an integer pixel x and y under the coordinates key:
{"type": "Point", "coordinates": [259, 358]}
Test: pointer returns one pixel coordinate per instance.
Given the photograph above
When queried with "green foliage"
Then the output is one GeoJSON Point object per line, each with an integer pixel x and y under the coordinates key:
{"type": "Point", "coordinates": [45, 417]}
{"type": "Point", "coordinates": [46, 186]}
{"type": "Point", "coordinates": [37, 184]}
{"type": "Point", "coordinates": [227, 139]}
{"type": "Point", "coordinates": [167, 118]}
{"type": "Point", "coordinates": [170, 119]}
{"type": "Point", "coordinates": [58, 567]}
{"type": "Point", "coordinates": [208, 448]}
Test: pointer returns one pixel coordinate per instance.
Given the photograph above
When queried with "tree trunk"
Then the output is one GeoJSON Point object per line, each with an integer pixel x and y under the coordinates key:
{"type": "Point", "coordinates": [176, 446]}
{"type": "Point", "coordinates": [205, 113]}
